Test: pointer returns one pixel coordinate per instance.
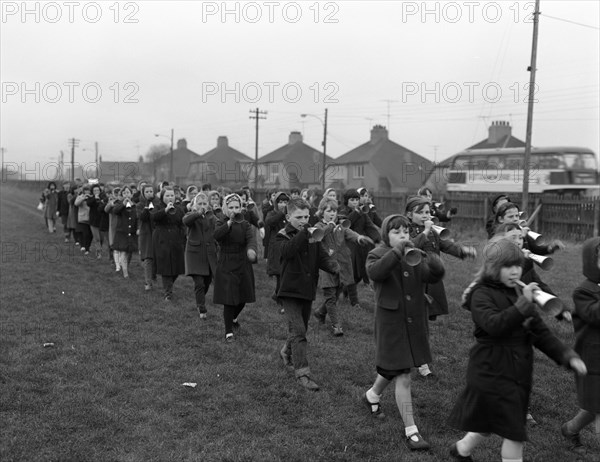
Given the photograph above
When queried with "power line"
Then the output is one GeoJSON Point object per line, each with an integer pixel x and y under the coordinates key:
{"type": "Point", "coordinates": [572, 22]}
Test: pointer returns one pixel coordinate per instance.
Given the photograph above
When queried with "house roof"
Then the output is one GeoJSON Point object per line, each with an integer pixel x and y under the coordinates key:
{"type": "Point", "coordinates": [223, 153]}
{"type": "Point", "coordinates": [180, 151]}
{"type": "Point", "coordinates": [298, 157]}
{"type": "Point", "coordinates": [390, 159]}
{"type": "Point", "coordinates": [507, 141]}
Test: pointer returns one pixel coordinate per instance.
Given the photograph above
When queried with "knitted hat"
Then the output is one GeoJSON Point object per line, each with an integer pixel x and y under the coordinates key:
{"type": "Point", "coordinates": [415, 201]}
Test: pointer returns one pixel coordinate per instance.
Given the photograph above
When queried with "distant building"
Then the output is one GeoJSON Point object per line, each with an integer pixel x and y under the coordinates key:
{"type": "Point", "coordinates": [182, 158]}
{"type": "Point", "coordinates": [293, 165]}
{"type": "Point", "coordinates": [222, 165]}
{"type": "Point", "coordinates": [382, 165]}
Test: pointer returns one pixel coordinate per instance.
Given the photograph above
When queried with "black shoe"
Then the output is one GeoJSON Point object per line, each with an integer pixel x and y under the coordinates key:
{"type": "Point", "coordinates": [236, 325]}
{"type": "Point", "coordinates": [415, 442]}
{"type": "Point", "coordinates": [377, 413]}
{"type": "Point", "coordinates": [573, 438]}
{"type": "Point", "coordinates": [308, 383]}
{"type": "Point", "coordinates": [319, 316]}
{"type": "Point", "coordinates": [456, 456]}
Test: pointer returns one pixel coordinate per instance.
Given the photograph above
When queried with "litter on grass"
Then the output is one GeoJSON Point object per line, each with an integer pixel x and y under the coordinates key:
{"type": "Point", "coordinates": [189, 384]}
{"type": "Point", "coordinates": [48, 344]}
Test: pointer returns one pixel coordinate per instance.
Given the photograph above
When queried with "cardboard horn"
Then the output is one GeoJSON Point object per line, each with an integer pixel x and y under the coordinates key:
{"type": "Point", "coordinates": [443, 233]}
{"type": "Point", "coordinates": [238, 218]}
{"type": "Point", "coordinates": [546, 263]}
{"type": "Point", "coordinates": [535, 236]}
{"type": "Point", "coordinates": [412, 256]}
{"type": "Point", "coordinates": [548, 303]}
{"type": "Point", "coordinates": [345, 223]}
{"type": "Point", "coordinates": [316, 234]}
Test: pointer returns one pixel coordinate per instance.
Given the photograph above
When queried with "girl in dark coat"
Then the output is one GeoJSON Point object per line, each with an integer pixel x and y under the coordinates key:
{"type": "Point", "coordinates": [200, 249]}
{"type": "Point", "coordinates": [147, 203]}
{"type": "Point", "coordinates": [168, 240]}
{"type": "Point", "coordinates": [234, 278]}
{"type": "Point", "coordinates": [400, 319]}
{"type": "Point", "coordinates": [97, 203]}
{"type": "Point", "coordinates": [586, 321]}
{"type": "Point", "coordinates": [274, 221]}
{"type": "Point", "coordinates": [421, 233]}
{"type": "Point", "coordinates": [500, 369]}
{"type": "Point", "coordinates": [125, 243]}
{"type": "Point", "coordinates": [361, 224]}
{"type": "Point", "coordinates": [51, 206]}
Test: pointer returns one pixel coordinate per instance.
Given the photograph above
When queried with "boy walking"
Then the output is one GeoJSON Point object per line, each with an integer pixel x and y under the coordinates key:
{"type": "Point", "coordinates": [301, 258]}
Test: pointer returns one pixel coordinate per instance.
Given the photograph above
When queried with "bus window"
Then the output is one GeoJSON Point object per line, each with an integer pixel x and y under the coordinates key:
{"type": "Point", "coordinates": [580, 161]}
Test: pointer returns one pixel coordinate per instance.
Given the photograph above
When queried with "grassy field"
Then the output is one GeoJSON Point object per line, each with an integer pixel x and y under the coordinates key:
{"type": "Point", "coordinates": [110, 388]}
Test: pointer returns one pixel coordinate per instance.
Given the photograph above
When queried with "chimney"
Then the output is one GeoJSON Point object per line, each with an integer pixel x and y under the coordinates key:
{"type": "Point", "coordinates": [498, 131]}
{"type": "Point", "coordinates": [222, 142]}
{"type": "Point", "coordinates": [295, 137]}
{"type": "Point", "coordinates": [378, 132]}
{"type": "Point", "coordinates": [182, 144]}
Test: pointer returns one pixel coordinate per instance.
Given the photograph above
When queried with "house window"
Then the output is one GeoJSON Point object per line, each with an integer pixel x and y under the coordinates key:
{"type": "Point", "coordinates": [359, 171]}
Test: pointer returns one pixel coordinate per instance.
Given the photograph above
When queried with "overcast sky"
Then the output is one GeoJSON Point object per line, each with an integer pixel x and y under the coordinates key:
{"type": "Point", "coordinates": [436, 73]}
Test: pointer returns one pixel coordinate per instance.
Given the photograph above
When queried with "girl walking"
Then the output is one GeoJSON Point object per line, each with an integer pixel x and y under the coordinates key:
{"type": "Point", "coordinates": [500, 369]}
{"type": "Point", "coordinates": [234, 277]}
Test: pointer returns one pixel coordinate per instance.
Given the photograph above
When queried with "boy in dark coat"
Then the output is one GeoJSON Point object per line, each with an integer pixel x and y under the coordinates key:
{"type": "Point", "coordinates": [301, 258]}
{"type": "Point", "coordinates": [586, 321]}
{"type": "Point", "coordinates": [275, 221]}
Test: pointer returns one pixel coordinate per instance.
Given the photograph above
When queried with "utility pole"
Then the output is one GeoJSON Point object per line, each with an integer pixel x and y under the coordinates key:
{"type": "Point", "coordinates": [171, 167]}
{"type": "Point", "coordinates": [324, 152]}
{"type": "Point", "coordinates": [531, 69]}
{"type": "Point", "coordinates": [74, 142]}
{"type": "Point", "coordinates": [258, 114]}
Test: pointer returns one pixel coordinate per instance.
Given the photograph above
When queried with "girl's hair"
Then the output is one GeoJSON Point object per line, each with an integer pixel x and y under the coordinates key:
{"type": "Point", "coordinates": [191, 188]}
{"type": "Point", "coordinates": [325, 204]}
{"type": "Point", "coordinates": [96, 186]}
{"type": "Point", "coordinates": [416, 203]}
{"type": "Point", "coordinates": [126, 188]}
{"type": "Point", "coordinates": [395, 221]}
{"type": "Point", "coordinates": [497, 254]}
{"type": "Point", "coordinates": [423, 192]}
{"type": "Point", "coordinates": [200, 195]}
{"type": "Point", "coordinates": [350, 194]}
{"type": "Point", "coordinates": [146, 186]}
{"type": "Point", "coordinates": [505, 228]}
{"type": "Point", "coordinates": [503, 209]}
{"type": "Point", "coordinates": [50, 184]}
{"type": "Point", "coordinates": [116, 191]}
{"type": "Point", "coordinates": [86, 187]}
{"type": "Point", "coordinates": [165, 189]}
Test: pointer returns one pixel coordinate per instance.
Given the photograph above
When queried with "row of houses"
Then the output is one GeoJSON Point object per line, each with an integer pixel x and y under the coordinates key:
{"type": "Point", "coordinates": [379, 164]}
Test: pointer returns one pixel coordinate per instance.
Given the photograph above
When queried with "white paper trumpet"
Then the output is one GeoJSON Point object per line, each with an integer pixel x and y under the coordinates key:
{"type": "Point", "coordinates": [548, 303]}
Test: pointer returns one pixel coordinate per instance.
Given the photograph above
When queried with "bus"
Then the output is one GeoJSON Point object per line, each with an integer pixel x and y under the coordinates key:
{"type": "Point", "coordinates": [558, 170]}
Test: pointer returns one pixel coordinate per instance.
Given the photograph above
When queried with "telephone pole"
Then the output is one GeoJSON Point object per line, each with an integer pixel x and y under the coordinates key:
{"type": "Point", "coordinates": [258, 114]}
{"type": "Point", "coordinates": [97, 164]}
{"type": "Point", "coordinates": [74, 142]}
{"type": "Point", "coordinates": [531, 69]}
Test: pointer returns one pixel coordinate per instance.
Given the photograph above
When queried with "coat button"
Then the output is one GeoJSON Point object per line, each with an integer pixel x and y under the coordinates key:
{"type": "Point", "coordinates": [409, 320]}
{"type": "Point", "coordinates": [406, 274]}
{"type": "Point", "coordinates": [408, 297]}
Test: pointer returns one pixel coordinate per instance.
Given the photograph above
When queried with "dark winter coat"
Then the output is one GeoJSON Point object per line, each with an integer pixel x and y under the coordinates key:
{"type": "Point", "coordinates": [168, 240]}
{"type": "Point", "coordinates": [361, 224]}
{"type": "Point", "coordinates": [63, 203]}
{"type": "Point", "coordinates": [401, 333]}
{"type": "Point", "coordinates": [200, 248]}
{"type": "Point", "coordinates": [145, 228]}
{"type": "Point", "coordinates": [98, 217]}
{"type": "Point", "coordinates": [335, 243]}
{"type": "Point", "coordinates": [586, 321]}
{"type": "Point", "coordinates": [126, 231]}
{"type": "Point", "coordinates": [300, 263]}
{"type": "Point", "coordinates": [432, 243]}
{"type": "Point", "coordinates": [274, 222]}
{"type": "Point", "coordinates": [234, 276]}
{"type": "Point", "coordinates": [500, 369]}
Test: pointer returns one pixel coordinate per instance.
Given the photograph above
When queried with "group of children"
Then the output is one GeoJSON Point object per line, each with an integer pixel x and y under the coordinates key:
{"type": "Point", "coordinates": [323, 244]}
